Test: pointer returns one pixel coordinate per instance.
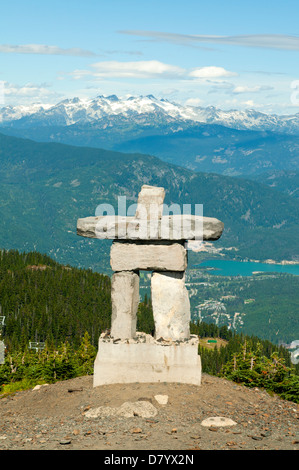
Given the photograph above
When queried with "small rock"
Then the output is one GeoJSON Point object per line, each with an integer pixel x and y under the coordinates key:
{"type": "Point", "coordinates": [218, 421]}
{"type": "Point", "coordinates": [231, 443]}
{"type": "Point", "coordinates": [141, 408]}
{"type": "Point", "coordinates": [136, 431]}
{"type": "Point", "coordinates": [128, 409]}
{"type": "Point", "coordinates": [161, 399]}
{"type": "Point", "coordinates": [256, 438]}
{"type": "Point", "coordinates": [65, 442]}
{"type": "Point", "coordinates": [213, 429]}
{"type": "Point", "coordinates": [265, 433]}
{"type": "Point", "coordinates": [170, 432]}
{"type": "Point", "coordinates": [38, 387]}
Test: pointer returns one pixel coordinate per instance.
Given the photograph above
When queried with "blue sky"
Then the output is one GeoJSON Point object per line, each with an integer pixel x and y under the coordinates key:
{"type": "Point", "coordinates": [232, 54]}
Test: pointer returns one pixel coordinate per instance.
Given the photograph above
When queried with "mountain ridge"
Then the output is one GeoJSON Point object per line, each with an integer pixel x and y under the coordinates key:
{"type": "Point", "coordinates": [158, 127]}
{"type": "Point", "coordinates": [79, 111]}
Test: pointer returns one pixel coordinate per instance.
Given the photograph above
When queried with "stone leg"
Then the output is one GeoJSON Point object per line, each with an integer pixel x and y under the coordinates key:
{"type": "Point", "coordinates": [125, 300]}
{"type": "Point", "coordinates": [171, 306]}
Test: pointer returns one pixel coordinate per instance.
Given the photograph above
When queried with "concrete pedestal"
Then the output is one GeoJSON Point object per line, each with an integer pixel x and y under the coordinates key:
{"type": "Point", "coordinates": [144, 359]}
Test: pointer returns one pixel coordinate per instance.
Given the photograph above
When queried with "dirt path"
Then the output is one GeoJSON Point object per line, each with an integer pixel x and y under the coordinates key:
{"type": "Point", "coordinates": [54, 418]}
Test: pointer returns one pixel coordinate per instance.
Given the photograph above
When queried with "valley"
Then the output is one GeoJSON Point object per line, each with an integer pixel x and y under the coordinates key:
{"type": "Point", "coordinates": [264, 304]}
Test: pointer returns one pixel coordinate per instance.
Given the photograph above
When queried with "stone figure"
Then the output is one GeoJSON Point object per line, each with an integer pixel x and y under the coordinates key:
{"type": "Point", "coordinates": [154, 242]}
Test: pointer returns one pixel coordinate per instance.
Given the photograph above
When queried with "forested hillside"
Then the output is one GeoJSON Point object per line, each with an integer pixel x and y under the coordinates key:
{"type": "Point", "coordinates": [68, 308]}
{"type": "Point", "coordinates": [48, 302]}
{"type": "Point", "coordinates": [46, 187]}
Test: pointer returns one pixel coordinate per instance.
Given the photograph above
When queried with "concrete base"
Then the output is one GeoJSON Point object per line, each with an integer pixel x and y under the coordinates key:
{"type": "Point", "coordinates": [144, 359]}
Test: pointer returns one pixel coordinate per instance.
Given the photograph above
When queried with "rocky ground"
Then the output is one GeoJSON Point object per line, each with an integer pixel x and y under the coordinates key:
{"type": "Point", "coordinates": [66, 416]}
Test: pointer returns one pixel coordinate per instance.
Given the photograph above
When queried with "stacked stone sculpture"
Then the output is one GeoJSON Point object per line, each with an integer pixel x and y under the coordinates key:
{"type": "Point", "coordinates": [154, 242]}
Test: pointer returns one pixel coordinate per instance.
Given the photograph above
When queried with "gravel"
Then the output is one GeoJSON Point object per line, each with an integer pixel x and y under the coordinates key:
{"type": "Point", "coordinates": [55, 417]}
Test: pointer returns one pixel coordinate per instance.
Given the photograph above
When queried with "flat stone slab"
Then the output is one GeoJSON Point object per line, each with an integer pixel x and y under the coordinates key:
{"type": "Point", "coordinates": [144, 359]}
{"type": "Point", "coordinates": [131, 256]}
{"type": "Point", "coordinates": [218, 422]}
{"type": "Point", "coordinates": [169, 227]}
{"type": "Point", "coordinates": [141, 408]}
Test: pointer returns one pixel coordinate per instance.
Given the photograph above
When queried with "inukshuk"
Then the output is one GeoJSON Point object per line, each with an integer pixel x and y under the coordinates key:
{"type": "Point", "coordinates": [154, 242]}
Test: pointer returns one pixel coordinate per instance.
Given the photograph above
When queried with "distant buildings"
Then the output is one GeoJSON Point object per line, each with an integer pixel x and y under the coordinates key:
{"type": "Point", "coordinates": [293, 347]}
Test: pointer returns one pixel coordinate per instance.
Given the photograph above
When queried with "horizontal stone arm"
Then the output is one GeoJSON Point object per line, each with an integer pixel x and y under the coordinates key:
{"type": "Point", "coordinates": [169, 227]}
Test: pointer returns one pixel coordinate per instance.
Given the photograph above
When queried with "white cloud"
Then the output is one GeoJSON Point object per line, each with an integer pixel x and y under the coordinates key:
{"type": "Point", "coordinates": [27, 93]}
{"type": "Point", "coordinates": [138, 69]}
{"type": "Point", "coordinates": [211, 72]}
{"type": "Point", "coordinates": [247, 89]}
{"type": "Point", "coordinates": [150, 69]}
{"type": "Point", "coordinates": [250, 103]}
{"type": "Point", "coordinates": [1, 92]}
{"type": "Point", "coordinates": [43, 49]}
{"type": "Point", "coordinates": [267, 41]}
{"type": "Point", "coordinates": [194, 102]}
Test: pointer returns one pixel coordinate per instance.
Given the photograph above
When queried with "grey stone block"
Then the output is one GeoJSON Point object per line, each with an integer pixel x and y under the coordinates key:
{"type": "Point", "coordinates": [125, 301]}
{"type": "Point", "coordinates": [171, 306]}
{"type": "Point", "coordinates": [152, 257]}
{"type": "Point", "coordinates": [150, 202]}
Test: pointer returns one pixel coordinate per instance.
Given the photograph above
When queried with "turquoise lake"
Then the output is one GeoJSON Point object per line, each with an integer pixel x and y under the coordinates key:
{"type": "Point", "coordinates": [244, 268]}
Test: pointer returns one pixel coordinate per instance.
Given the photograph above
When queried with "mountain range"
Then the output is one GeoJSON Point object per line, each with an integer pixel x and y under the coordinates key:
{"type": "Point", "coordinates": [234, 143]}
{"type": "Point", "coordinates": [79, 111]}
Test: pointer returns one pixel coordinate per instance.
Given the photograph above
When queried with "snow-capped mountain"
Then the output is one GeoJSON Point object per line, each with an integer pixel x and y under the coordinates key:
{"type": "Point", "coordinates": [79, 111]}
{"type": "Point", "coordinates": [84, 111]}
{"type": "Point", "coordinates": [249, 119]}
{"type": "Point", "coordinates": [14, 113]}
